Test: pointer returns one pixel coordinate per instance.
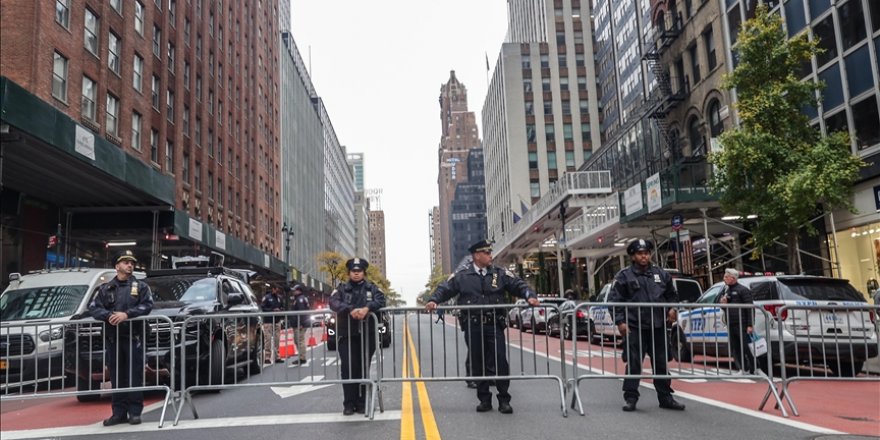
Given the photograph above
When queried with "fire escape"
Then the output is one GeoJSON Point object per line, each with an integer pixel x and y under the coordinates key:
{"type": "Point", "coordinates": [663, 99]}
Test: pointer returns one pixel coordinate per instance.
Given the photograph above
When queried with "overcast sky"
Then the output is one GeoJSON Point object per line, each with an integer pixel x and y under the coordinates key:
{"type": "Point", "coordinates": [379, 65]}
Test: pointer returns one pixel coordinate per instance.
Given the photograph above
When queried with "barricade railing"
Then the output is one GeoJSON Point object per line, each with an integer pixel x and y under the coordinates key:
{"type": "Point", "coordinates": [77, 357]}
{"type": "Point", "coordinates": [223, 351]}
{"type": "Point", "coordinates": [477, 348]}
{"type": "Point", "coordinates": [692, 342]}
{"type": "Point", "coordinates": [826, 342]}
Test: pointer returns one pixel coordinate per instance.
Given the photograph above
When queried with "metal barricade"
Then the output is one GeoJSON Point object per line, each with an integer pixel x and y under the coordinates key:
{"type": "Point", "coordinates": [223, 351]}
{"type": "Point", "coordinates": [825, 342]}
{"type": "Point", "coordinates": [479, 347]}
{"type": "Point", "coordinates": [691, 341]}
{"type": "Point", "coordinates": [76, 358]}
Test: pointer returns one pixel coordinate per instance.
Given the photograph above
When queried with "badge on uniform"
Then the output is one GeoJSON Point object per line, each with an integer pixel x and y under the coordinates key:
{"type": "Point", "coordinates": [495, 280]}
{"type": "Point", "coordinates": [134, 289]}
{"type": "Point", "coordinates": [657, 278]}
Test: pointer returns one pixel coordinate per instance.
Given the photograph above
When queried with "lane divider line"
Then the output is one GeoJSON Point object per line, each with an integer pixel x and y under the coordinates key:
{"type": "Point", "coordinates": [407, 424]}
{"type": "Point", "coordinates": [428, 421]}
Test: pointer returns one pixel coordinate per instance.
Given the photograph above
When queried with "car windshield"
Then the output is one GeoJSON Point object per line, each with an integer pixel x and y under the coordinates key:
{"type": "Point", "coordinates": [41, 302]}
{"type": "Point", "coordinates": [183, 289]}
{"type": "Point", "coordinates": [819, 290]}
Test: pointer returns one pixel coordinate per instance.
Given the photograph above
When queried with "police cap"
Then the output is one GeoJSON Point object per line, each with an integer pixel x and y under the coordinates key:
{"type": "Point", "coordinates": [480, 246]}
{"type": "Point", "coordinates": [358, 264]}
{"type": "Point", "coordinates": [639, 245]}
{"type": "Point", "coordinates": [124, 255]}
{"type": "Point", "coordinates": [296, 288]}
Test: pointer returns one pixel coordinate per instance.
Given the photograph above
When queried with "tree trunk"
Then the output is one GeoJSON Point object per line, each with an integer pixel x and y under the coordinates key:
{"type": "Point", "coordinates": [794, 259]}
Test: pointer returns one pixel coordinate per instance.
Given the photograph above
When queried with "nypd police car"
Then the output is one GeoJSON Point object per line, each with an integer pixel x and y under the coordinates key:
{"type": "Point", "coordinates": [837, 338]}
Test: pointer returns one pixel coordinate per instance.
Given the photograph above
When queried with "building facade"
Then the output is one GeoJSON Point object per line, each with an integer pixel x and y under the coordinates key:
{"type": "Point", "coordinates": [361, 205]}
{"type": "Point", "coordinates": [173, 103]}
{"type": "Point", "coordinates": [339, 226]}
{"type": "Point", "coordinates": [469, 208]}
{"type": "Point", "coordinates": [541, 114]}
{"type": "Point", "coordinates": [434, 234]}
{"type": "Point", "coordinates": [377, 241]}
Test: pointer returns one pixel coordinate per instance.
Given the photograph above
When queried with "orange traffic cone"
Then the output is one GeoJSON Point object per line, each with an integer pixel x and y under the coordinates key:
{"type": "Point", "coordinates": [286, 346]}
{"type": "Point", "coordinates": [312, 341]}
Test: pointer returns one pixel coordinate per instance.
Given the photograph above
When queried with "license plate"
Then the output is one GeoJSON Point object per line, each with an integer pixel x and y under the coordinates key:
{"type": "Point", "coordinates": [2, 365]}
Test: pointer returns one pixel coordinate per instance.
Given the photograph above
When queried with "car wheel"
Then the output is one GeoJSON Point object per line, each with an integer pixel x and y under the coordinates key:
{"type": "Point", "coordinates": [256, 366]}
{"type": "Point", "coordinates": [214, 365]}
{"type": "Point", "coordinates": [88, 385]}
{"type": "Point", "coordinates": [518, 322]}
{"type": "Point", "coordinates": [566, 331]}
{"type": "Point", "coordinates": [847, 369]}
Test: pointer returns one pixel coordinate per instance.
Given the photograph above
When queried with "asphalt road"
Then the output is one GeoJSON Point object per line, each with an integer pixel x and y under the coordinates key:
{"type": "Point", "coordinates": [429, 409]}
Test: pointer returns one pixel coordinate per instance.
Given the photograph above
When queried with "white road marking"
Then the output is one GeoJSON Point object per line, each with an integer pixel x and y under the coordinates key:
{"type": "Point", "coordinates": [295, 390]}
{"type": "Point", "coordinates": [204, 423]}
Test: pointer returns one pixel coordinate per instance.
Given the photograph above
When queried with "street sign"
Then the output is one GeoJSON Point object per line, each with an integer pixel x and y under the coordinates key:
{"type": "Point", "coordinates": [677, 221]}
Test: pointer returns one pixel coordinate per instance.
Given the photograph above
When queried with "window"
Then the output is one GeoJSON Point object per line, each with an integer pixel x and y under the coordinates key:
{"type": "Point", "coordinates": [530, 133]}
{"type": "Point", "coordinates": [867, 123]}
{"type": "Point", "coordinates": [91, 32]}
{"type": "Point", "coordinates": [533, 160]}
{"type": "Point", "coordinates": [551, 160]}
{"type": "Point", "coordinates": [186, 120]}
{"type": "Point", "coordinates": [59, 77]}
{"type": "Point", "coordinates": [198, 129]}
{"type": "Point", "coordinates": [198, 177]}
{"type": "Point", "coordinates": [117, 5]}
{"type": "Point", "coordinates": [62, 12]}
{"type": "Point", "coordinates": [563, 83]}
{"type": "Point", "coordinates": [154, 94]}
{"type": "Point", "coordinates": [184, 169]}
{"type": "Point", "coordinates": [545, 61]}
{"type": "Point", "coordinates": [139, 17]}
{"type": "Point", "coordinates": [112, 115]}
{"type": "Point", "coordinates": [169, 156]}
{"type": "Point", "coordinates": [530, 108]}
{"type": "Point", "coordinates": [154, 146]}
{"type": "Point", "coordinates": [567, 132]}
{"type": "Point", "coordinates": [157, 41]}
{"type": "Point", "coordinates": [548, 107]}
{"type": "Point", "coordinates": [585, 131]}
{"type": "Point", "coordinates": [527, 86]}
{"type": "Point", "coordinates": [709, 43]}
{"type": "Point", "coordinates": [526, 62]}
{"type": "Point", "coordinates": [715, 124]}
{"type": "Point", "coordinates": [566, 107]}
{"type": "Point", "coordinates": [545, 84]}
{"type": "Point", "coordinates": [114, 48]}
{"type": "Point", "coordinates": [535, 189]}
{"type": "Point", "coordinates": [579, 60]}
{"type": "Point", "coordinates": [569, 159]}
{"type": "Point", "coordinates": [186, 75]}
{"type": "Point", "coordinates": [172, 10]}
{"type": "Point", "coordinates": [170, 57]}
{"type": "Point", "coordinates": [695, 135]}
{"type": "Point", "coordinates": [89, 98]}
{"type": "Point", "coordinates": [549, 133]}
{"type": "Point", "coordinates": [695, 64]}
{"type": "Point", "coordinates": [852, 23]}
{"type": "Point", "coordinates": [137, 76]}
{"type": "Point", "coordinates": [136, 130]}
{"type": "Point", "coordinates": [210, 185]}
{"type": "Point", "coordinates": [169, 103]}
{"type": "Point", "coordinates": [187, 31]}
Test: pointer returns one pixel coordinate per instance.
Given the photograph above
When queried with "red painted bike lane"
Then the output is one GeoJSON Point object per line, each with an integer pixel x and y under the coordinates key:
{"type": "Point", "coordinates": [65, 411]}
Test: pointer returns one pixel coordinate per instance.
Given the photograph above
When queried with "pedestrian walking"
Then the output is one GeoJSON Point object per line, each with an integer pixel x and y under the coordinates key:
{"type": "Point", "coordinates": [481, 283]}
{"type": "Point", "coordinates": [739, 321]}
{"type": "Point", "coordinates": [299, 323]}
{"type": "Point", "coordinates": [644, 327]}
{"type": "Point", "coordinates": [118, 300]}
{"type": "Point", "coordinates": [353, 302]}
{"type": "Point", "coordinates": [272, 302]}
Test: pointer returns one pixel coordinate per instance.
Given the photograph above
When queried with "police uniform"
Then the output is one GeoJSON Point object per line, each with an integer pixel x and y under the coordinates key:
{"type": "Point", "coordinates": [125, 342]}
{"type": "Point", "coordinates": [646, 333]}
{"type": "Point", "coordinates": [484, 327]}
{"type": "Point", "coordinates": [356, 339]}
{"type": "Point", "coordinates": [299, 303]}
{"type": "Point", "coordinates": [738, 322]}
{"type": "Point", "coordinates": [272, 302]}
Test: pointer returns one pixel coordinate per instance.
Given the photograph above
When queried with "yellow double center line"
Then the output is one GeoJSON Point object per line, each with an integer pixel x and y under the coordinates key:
{"type": "Point", "coordinates": [407, 420]}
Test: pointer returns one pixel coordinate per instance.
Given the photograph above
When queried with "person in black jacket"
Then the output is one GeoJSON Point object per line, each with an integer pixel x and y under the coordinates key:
{"type": "Point", "coordinates": [118, 300]}
{"type": "Point", "coordinates": [644, 327]}
{"type": "Point", "coordinates": [299, 323]}
{"type": "Point", "coordinates": [739, 321]}
{"type": "Point", "coordinates": [272, 302]}
{"type": "Point", "coordinates": [484, 284]}
{"type": "Point", "coordinates": [354, 302]}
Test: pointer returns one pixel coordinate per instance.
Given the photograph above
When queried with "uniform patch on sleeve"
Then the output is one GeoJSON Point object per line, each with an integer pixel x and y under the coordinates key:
{"type": "Point", "coordinates": [509, 273]}
{"type": "Point", "coordinates": [451, 276]}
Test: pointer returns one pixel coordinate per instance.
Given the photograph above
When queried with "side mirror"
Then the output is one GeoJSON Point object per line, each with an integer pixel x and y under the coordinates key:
{"type": "Point", "coordinates": [234, 299]}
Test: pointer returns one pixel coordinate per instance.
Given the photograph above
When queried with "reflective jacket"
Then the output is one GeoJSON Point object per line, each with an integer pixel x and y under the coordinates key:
{"type": "Point", "coordinates": [349, 296]}
{"type": "Point", "coordinates": [131, 296]}
{"type": "Point", "coordinates": [651, 285]}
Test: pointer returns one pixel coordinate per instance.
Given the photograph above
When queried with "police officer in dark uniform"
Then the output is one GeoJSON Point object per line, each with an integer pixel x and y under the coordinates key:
{"type": "Point", "coordinates": [118, 300]}
{"type": "Point", "coordinates": [353, 301]}
{"type": "Point", "coordinates": [739, 321]}
{"type": "Point", "coordinates": [644, 327]}
{"type": "Point", "coordinates": [480, 283]}
{"type": "Point", "coordinates": [299, 303]}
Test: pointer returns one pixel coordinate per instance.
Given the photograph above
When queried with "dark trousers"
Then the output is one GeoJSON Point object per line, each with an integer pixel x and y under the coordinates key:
{"type": "Point", "coordinates": [125, 359]}
{"type": "Point", "coordinates": [356, 353]}
{"type": "Point", "coordinates": [651, 342]}
{"type": "Point", "coordinates": [487, 357]}
{"type": "Point", "coordinates": [739, 349]}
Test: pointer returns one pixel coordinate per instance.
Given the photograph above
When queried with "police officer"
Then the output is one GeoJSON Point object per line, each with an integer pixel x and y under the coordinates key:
{"type": "Point", "coordinates": [117, 301]}
{"type": "Point", "coordinates": [272, 302]}
{"type": "Point", "coordinates": [484, 284]}
{"type": "Point", "coordinates": [299, 323]}
{"type": "Point", "coordinates": [644, 327]}
{"type": "Point", "coordinates": [353, 301]}
{"type": "Point", "coordinates": [739, 321]}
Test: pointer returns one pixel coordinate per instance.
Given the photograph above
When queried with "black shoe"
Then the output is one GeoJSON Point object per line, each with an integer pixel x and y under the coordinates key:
{"type": "Point", "coordinates": [359, 409]}
{"type": "Point", "coordinates": [505, 408]}
{"type": "Point", "coordinates": [471, 384]}
{"type": "Point", "coordinates": [279, 360]}
{"type": "Point", "coordinates": [671, 404]}
{"type": "Point", "coordinates": [484, 406]}
{"type": "Point", "coordinates": [630, 405]}
{"type": "Point", "coordinates": [348, 411]}
{"type": "Point", "coordinates": [134, 420]}
{"type": "Point", "coordinates": [115, 420]}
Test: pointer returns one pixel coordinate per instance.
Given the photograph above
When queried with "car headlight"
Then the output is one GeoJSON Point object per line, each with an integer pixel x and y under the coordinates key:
{"type": "Point", "coordinates": [51, 334]}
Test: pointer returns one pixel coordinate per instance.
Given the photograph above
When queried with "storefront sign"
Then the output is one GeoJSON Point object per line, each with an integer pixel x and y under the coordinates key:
{"type": "Point", "coordinates": [84, 142]}
{"type": "Point", "coordinates": [195, 229]}
{"type": "Point", "coordinates": [220, 240]}
{"type": "Point", "coordinates": [632, 199]}
{"type": "Point", "coordinates": [655, 201]}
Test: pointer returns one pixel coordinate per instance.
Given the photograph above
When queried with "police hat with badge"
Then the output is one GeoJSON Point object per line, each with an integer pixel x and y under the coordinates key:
{"type": "Point", "coordinates": [357, 264]}
{"type": "Point", "coordinates": [124, 255]}
{"type": "Point", "coordinates": [481, 246]}
{"type": "Point", "coordinates": [639, 245]}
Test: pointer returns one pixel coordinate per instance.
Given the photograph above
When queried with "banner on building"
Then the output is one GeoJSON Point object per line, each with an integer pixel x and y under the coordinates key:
{"type": "Point", "coordinates": [632, 199]}
{"type": "Point", "coordinates": [655, 200]}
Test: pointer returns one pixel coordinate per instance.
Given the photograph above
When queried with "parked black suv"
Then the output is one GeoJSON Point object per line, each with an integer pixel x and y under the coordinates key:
{"type": "Point", "coordinates": [214, 348]}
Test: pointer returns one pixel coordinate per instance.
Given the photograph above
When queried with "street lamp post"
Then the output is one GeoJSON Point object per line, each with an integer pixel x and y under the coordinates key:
{"type": "Point", "coordinates": [288, 234]}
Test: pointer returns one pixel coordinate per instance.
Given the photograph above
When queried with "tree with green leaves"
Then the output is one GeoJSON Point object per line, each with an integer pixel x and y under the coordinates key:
{"type": "Point", "coordinates": [333, 264]}
{"type": "Point", "coordinates": [774, 165]}
{"type": "Point", "coordinates": [437, 277]}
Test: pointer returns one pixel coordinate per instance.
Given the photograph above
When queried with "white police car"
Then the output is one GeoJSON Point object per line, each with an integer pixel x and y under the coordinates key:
{"type": "Point", "coordinates": [840, 340]}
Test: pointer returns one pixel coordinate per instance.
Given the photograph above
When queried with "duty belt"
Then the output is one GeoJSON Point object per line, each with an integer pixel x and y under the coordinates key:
{"type": "Point", "coordinates": [487, 319]}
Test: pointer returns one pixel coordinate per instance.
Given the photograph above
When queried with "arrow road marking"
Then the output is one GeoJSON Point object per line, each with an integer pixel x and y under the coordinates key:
{"type": "Point", "coordinates": [294, 390]}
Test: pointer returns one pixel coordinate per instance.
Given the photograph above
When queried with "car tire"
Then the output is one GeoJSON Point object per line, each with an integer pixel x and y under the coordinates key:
{"type": "Point", "coordinates": [566, 331]}
{"type": "Point", "coordinates": [256, 365]}
{"type": "Point", "coordinates": [88, 385]}
{"type": "Point", "coordinates": [847, 369]}
{"type": "Point", "coordinates": [215, 365]}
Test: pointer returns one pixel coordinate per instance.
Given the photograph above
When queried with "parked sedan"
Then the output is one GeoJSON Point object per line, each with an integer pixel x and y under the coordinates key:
{"type": "Point", "coordinates": [564, 322]}
{"type": "Point", "coordinates": [535, 318]}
